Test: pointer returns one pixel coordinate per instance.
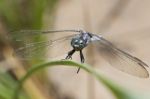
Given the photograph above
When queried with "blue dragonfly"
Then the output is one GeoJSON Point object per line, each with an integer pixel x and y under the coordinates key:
{"type": "Point", "coordinates": [118, 58]}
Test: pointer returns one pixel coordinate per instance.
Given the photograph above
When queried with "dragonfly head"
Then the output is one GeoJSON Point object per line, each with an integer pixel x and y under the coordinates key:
{"type": "Point", "coordinates": [78, 44]}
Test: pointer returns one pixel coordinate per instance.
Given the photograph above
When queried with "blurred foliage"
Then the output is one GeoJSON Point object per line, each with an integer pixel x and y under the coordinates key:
{"type": "Point", "coordinates": [24, 14]}
{"type": "Point", "coordinates": [7, 87]}
{"type": "Point", "coordinates": [17, 15]}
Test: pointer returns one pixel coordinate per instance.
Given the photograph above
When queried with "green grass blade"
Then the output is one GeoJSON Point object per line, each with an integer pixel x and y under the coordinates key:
{"type": "Point", "coordinates": [118, 91]}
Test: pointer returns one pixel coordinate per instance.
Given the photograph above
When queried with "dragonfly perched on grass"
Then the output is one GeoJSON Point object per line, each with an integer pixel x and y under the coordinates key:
{"type": "Point", "coordinates": [115, 56]}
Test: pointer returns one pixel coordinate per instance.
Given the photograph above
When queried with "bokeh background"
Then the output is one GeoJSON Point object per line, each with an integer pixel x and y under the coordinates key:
{"type": "Point", "coordinates": [123, 22]}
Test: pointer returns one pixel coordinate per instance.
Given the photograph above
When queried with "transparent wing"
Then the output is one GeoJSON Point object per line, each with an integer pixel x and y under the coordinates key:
{"type": "Point", "coordinates": [28, 48]}
{"type": "Point", "coordinates": [37, 32]}
{"type": "Point", "coordinates": [39, 49]}
{"type": "Point", "coordinates": [120, 59]}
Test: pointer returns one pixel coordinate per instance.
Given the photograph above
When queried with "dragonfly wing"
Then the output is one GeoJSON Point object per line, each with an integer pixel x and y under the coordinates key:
{"type": "Point", "coordinates": [120, 59]}
{"type": "Point", "coordinates": [28, 49]}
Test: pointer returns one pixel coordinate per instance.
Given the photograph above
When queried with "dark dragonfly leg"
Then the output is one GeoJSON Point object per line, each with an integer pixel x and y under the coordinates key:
{"type": "Point", "coordinates": [82, 60]}
{"type": "Point", "coordinates": [70, 53]}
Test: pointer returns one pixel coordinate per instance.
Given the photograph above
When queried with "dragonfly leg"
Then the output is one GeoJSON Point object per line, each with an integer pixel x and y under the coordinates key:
{"type": "Point", "coordinates": [70, 53]}
{"type": "Point", "coordinates": [82, 60]}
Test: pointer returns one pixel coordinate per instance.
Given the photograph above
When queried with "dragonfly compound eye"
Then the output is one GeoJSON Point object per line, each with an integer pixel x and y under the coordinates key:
{"type": "Point", "coordinates": [78, 44]}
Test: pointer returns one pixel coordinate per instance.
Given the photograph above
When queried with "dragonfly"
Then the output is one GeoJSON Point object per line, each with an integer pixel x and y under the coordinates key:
{"type": "Point", "coordinates": [118, 58]}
